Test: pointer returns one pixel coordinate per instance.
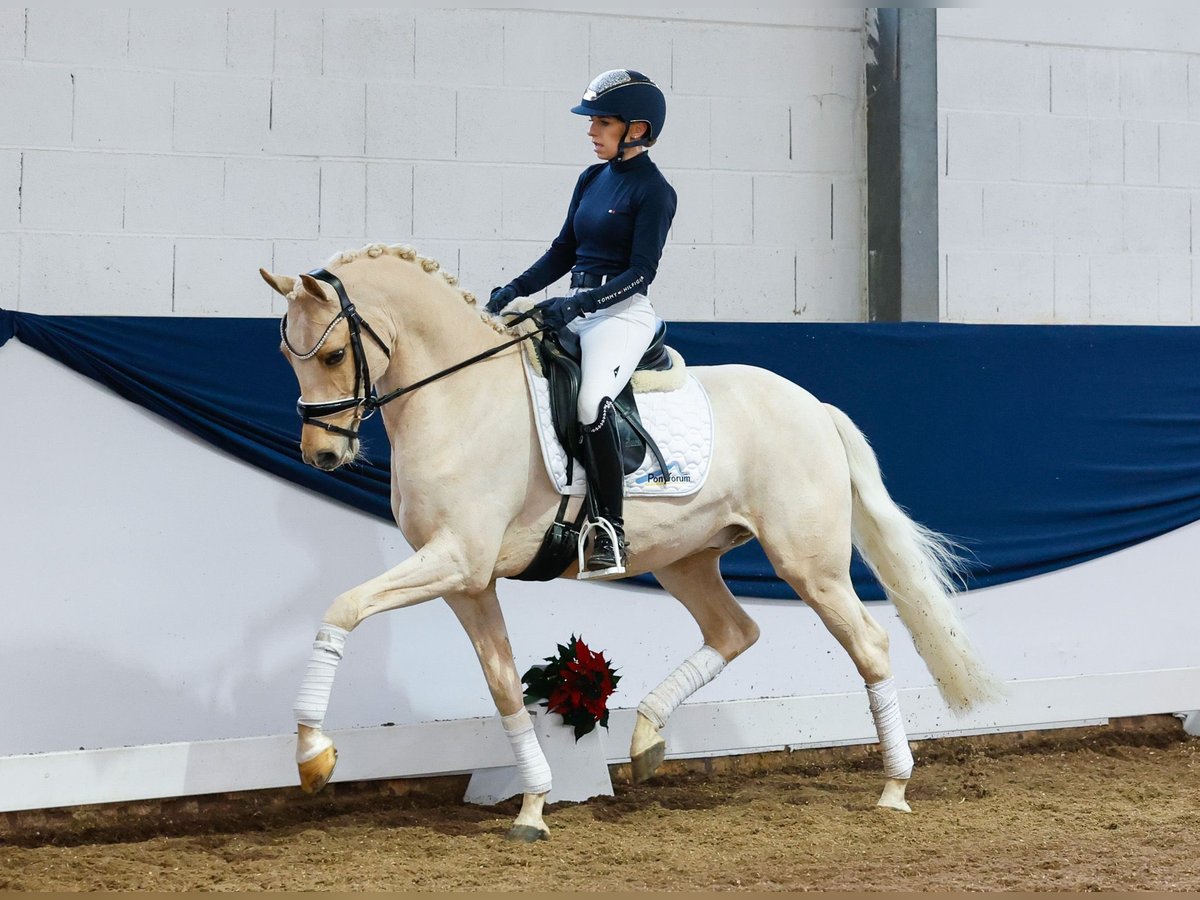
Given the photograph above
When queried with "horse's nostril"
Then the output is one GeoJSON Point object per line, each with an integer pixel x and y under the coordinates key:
{"type": "Point", "coordinates": [327, 459]}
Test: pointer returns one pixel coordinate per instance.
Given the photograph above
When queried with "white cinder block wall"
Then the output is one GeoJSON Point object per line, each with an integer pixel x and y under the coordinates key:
{"type": "Point", "coordinates": [151, 160]}
{"type": "Point", "coordinates": [1070, 160]}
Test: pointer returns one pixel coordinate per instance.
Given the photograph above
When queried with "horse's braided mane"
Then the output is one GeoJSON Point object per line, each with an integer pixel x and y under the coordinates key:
{"type": "Point", "coordinates": [404, 251]}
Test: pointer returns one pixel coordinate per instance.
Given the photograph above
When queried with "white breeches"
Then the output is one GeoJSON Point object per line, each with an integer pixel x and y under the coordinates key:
{"type": "Point", "coordinates": [612, 341]}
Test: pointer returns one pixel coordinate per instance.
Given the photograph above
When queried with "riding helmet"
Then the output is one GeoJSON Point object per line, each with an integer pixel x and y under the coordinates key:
{"type": "Point", "coordinates": [629, 96]}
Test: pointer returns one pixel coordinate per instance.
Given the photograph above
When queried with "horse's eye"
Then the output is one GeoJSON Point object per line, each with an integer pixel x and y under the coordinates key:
{"type": "Point", "coordinates": [335, 357]}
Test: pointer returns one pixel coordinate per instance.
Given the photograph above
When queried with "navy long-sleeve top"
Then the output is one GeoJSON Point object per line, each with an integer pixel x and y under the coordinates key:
{"type": "Point", "coordinates": [616, 225]}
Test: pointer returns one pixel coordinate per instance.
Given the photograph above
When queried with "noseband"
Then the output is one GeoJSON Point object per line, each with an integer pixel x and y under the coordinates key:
{"type": "Point", "coordinates": [365, 399]}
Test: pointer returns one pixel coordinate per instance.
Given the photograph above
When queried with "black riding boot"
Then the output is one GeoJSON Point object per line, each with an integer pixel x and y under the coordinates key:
{"type": "Point", "coordinates": [606, 481]}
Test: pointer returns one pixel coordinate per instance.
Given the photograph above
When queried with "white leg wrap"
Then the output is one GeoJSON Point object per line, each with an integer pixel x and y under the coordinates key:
{"type": "Point", "coordinates": [531, 761]}
{"type": "Point", "coordinates": [694, 673]}
{"type": "Point", "coordinates": [885, 709]}
{"type": "Point", "coordinates": [313, 699]}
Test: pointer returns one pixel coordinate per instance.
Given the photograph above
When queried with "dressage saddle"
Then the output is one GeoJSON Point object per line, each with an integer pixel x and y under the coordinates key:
{"type": "Point", "coordinates": [560, 355]}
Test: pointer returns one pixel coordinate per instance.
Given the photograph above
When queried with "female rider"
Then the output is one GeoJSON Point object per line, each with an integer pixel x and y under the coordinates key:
{"type": "Point", "coordinates": [611, 242]}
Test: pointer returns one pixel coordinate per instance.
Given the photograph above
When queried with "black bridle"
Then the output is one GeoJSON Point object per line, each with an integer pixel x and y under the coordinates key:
{"type": "Point", "coordinates": [365, 399]}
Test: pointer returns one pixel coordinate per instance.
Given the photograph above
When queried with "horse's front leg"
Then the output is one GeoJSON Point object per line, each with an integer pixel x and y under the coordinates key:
{"type": "Point", "coordinates": [483, 621]}
{"type": "Point", "coordinates": [434, 570]}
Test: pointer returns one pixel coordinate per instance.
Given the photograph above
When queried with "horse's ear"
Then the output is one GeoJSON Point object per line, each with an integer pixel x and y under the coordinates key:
{"type": "Point", "coordinates": [283, 284]}
{"type": "Point", "coordinates": [313, 287]}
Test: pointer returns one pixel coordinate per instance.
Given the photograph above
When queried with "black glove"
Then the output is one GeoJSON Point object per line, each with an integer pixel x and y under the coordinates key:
{"type": "Point", "coordinates": [501, 297]}
{"type": "Point", "coordinates": [558, 311]}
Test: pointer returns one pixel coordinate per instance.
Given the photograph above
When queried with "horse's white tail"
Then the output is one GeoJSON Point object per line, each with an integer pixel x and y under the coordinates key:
{"type": "Point", "coordinates": [918, 569]}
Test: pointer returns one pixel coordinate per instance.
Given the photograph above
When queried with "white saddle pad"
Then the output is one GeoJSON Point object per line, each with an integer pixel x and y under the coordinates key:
{"type": "Point", "coordinates": [680, 421]}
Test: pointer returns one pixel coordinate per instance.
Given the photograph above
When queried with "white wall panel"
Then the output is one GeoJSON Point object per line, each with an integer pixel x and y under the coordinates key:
{"type": "Point", "coordinates": [640, 44]}
{"type": "Point", "coordinates": [123, 110]}
{"type": "Point", "coordinates": [1154, 86]}
{"type": "Point", "coordinates": [12, 32]}
{"type": "Point", "coordinates": [12, 163]}
{"type": "Point", "coordinates": [10, 270]}
{"type": "Point", "coordinates": [1179, 154]}
{"type": "Point", "coordinates": [750, 134]}
{"type": "Point", "coordinates": [732, 208]}
{"type": "Point", "coordinates": [686, 288]}
{"type": "Point", "coordinates": [1106, 151]}
{"type": "Point", "coordinates": [689, 135]}
{"type": "Point", "coordinates": [71, 274]}
{"type": "Point", "coordinates": [546, 50]}
{"type": "Point", "coordinates": [1054, 149]}
{"type": "Point", "coordinates": [505, 125]}
{"type": "Point", "coordinates": [37, 106]}
{"type": "Point", "coordinates": [410, 122]}
{"type": "Point", "coordinates": [1157, 221]}
{"type": "Point", "coordinates": [219, 277]}
{"type": "Point", "coordinates": [250, 41]}
{"type": "Point", "coordinates": [1103, 172]}
{"type": "Point", "coordinates": [983, 146]}
{"type": "Point", "coordinates": [389, 202]}
{"type": "Point", "coordinates": [534, 201]}
{"type": "Point", "coordinates": [998, 287]}
{"type": "Point", "coordinates": [344, 199]}
{"type": "Point", "coordinates": [61, 189]}
{"type": "Point", "coordinates": [752, 279]}
{"type": "Point", "coordinates": [178, 37]}
{"type": "Point", "coordinates": [824, 278]}
{"type": "Point", "coordinates": [174, 194]}
{"type": "Point", "coordinates": [313, 116]}
{"type": "Point", "coordinates": [222, 114]}
{"type": "Point", "coordinates": [87, 36]}
{"type": "Point", "coordinates": [1174, 290]}
{"type": "Point", "coordinates": [1142, 154]}
{"type": "Point", "coordinates": [1166, 27]}
{"type": "Point", "coordinates": [457, 201]}
{"type": "Point", "coordinates": [1018, 82]}
{"type": "Point", "coordinates": [1124, 286]}
{"type": "Point", "coordinates": [1072, 288]}
{"type": "Point", "coordinates": [279, 126]}
{"type": "Point", "coordinates": [299, 41]}
{"type": "Point", "coordinates": [362, 44]}
{"type": "Point", "coordinates": [459, 46]}
{"type": "Point", "coordinates": [279, 197]}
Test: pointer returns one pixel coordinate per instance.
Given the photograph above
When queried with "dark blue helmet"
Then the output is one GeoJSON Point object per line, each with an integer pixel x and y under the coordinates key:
{"type": "Point", "coordinates": [629, 96]}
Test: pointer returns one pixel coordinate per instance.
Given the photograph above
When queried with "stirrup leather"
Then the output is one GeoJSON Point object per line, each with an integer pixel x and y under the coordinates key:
{"type": "Point", "coordinates": [601, 524]}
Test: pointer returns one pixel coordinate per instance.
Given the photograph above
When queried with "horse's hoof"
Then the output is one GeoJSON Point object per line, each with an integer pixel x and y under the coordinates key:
{"type": "Point", "coordinates": [527, 834]}
{"type": "Point", "coordinates": [893, 796]}
{"type": "Point", "coordinates": [645, 764]}
{"type": "Point", "coordinates": [316, 772]}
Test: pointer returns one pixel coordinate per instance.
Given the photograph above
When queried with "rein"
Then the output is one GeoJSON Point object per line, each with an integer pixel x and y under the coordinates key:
{"type": "Point", "coordinates": [365, 400]}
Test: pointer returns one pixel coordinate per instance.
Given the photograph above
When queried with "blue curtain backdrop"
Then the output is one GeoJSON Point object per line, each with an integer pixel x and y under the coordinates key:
{"type": "Point", "coordinates": [1036, 447]}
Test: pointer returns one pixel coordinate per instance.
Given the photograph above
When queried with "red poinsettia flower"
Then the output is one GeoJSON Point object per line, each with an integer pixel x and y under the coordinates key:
{"type": "Point", "coordinates": [575, 684]}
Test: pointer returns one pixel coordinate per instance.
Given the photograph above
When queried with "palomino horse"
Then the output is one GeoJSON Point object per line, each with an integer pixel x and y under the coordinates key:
{"type": "Point", "coordinates": [473, 524]}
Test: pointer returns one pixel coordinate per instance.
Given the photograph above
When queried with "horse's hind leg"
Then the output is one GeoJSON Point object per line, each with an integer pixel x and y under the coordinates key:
{"type": "Point", "coordinates": [727, 631]}
{"type": "Point", "coordinates": [483, 622]}
{"type": "Point", "coordinates": [825, 585]}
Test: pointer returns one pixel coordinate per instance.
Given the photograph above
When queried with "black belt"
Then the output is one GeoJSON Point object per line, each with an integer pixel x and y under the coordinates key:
{"type": "Point", "coordinates": [588, 279]}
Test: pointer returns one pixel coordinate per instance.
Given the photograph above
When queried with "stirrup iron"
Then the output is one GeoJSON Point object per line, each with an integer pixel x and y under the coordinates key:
{"type": "Point", "coordinates": [612, 571]}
